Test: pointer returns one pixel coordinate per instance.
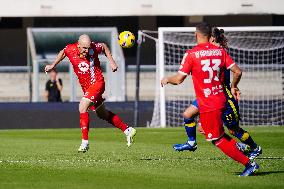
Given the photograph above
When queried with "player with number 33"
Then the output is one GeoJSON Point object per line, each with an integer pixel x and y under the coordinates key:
{"type": "Point", "coordinates": [207, 64]}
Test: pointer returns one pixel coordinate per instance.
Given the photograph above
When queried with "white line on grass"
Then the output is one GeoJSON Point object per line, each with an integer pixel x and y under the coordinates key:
{"type": "Point", "coordinates": [108, 160]}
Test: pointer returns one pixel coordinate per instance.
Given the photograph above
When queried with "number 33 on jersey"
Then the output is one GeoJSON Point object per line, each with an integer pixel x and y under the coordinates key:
{"type": "Point", "coordinates": [207, 63]}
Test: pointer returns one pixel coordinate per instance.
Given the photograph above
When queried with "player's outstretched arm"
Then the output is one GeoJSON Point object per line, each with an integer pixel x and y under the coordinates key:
{"type": "Point", "coordinates": [61, 55]}
{"type": "Point", "coordinates": [107, 53]}
{"type": "Point", "coordinates": [176, 79]}
{"type": "Point", "coordinates": [237, 74]}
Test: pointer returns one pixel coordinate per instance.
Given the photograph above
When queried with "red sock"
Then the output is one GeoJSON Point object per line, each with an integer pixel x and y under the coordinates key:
{"type": "Point", "coordinates": [228, 146]}
{"type": "Point", "coordinates": [116, 121]}
{"type": "Point", "coordinates": [84, 124]}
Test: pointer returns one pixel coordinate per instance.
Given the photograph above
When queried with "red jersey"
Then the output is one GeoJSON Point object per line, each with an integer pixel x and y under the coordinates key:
{"type": "Point", "coordinates": [207, 64]}
{"type": "Point", "coordinates": [87, 69]}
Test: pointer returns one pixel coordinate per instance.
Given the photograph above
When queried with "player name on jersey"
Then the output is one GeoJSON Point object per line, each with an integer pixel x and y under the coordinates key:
{"type": "Point", "coordinates": [210, 52]}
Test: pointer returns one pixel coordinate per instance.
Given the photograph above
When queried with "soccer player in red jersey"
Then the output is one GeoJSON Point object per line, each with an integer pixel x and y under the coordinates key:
{"type": "Point", "coordinates": [230, 115]}
{"type": "Point", "coordinates": [207, 64]}
{"type": "Point", "coordinates": [83, 56]}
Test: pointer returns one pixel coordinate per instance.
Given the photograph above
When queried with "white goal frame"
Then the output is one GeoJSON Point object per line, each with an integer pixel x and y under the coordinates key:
{"type": "Point", "coordinates": [161, 64]}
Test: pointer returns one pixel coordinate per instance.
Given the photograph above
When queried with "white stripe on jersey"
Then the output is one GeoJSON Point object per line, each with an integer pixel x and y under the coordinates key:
{"type": "Point", "coordinates": [92, 70]}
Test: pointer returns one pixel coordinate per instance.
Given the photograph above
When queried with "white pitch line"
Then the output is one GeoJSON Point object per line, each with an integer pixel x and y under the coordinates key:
{"type": "Point", "coordinates": [56, 160]}
{"type": "Point", "coordinates": [107, 160]}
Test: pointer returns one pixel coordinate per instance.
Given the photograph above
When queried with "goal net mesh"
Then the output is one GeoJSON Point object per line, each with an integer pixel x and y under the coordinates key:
{"type": "Point", "coordinates": [259, 54]}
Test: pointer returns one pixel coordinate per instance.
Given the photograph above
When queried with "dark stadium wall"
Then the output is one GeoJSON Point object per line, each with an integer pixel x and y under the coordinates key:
{"type": "Point", "coordinates": [65, 115]}
{"type": "Point", "coordinates": [240, 20]}
{"type": "Point", "coordinates": [13, 47]}
{"type": "Point", "coordinates": [13, 42]}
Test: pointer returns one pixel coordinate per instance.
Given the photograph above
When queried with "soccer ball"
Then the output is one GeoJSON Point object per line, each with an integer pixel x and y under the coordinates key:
{"type": "Point", "coordinates": [126, 39]}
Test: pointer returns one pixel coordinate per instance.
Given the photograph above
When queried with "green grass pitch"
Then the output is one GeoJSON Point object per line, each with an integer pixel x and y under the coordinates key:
{"type": "Point", "coordinates": [49, 159]}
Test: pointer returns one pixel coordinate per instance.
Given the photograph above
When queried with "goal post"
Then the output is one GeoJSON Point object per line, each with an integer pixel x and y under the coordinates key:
{"type": "Point", "coordinates": [43, 45]}
{"type": "Point", "coordinates": [161, 66]}
{"type": "Point", "coordinates": [259, 51]}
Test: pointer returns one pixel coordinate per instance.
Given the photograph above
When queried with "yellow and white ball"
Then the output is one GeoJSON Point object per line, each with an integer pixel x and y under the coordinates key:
{"type": "Point", "coordinates": [126, 39]}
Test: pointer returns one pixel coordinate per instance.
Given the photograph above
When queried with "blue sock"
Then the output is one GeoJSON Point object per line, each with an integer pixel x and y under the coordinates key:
{"type": "Point", "coordinates": [190, 128]}
{"type": "Point", "coordinates": [245, 137]}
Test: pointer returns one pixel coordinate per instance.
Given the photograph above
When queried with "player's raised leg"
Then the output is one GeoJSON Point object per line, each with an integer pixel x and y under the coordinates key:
{"type": "Point", "coordinates": [190, 128]}
{"type": "Point", "coordinates": [214, 131]}
{"type": "Point", "coordinates": [231, 120]}
{"type": "Point", "coordinates": [113, 119]}
{"type": "Point", "coordinates": [228, 146]}
{"type": "Point", "coordinates": [84, 124]}
{"type": "Point", "coordinates": [245, 137]}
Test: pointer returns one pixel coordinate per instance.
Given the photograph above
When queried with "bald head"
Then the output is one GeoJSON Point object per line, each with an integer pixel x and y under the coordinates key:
{"type": "Point", "coordinates": [84, 39]}
{"type": "Point", "coordinates": [84, 43]}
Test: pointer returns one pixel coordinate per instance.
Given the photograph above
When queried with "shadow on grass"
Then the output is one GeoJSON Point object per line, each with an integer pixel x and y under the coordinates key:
{"type": "Point", "coordinates": [270, 158]}
{"type": "Point", "coordinates": [263, 173]}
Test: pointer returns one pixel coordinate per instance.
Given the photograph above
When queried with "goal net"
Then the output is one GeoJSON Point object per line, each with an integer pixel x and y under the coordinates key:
{"type": "Point", "coordinates": [259, 51]}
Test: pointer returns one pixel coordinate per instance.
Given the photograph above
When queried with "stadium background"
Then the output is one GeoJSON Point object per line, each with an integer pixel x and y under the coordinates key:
{"type": "Point", "coordinates": [15, 19]}
{"type": "Point", "coordinates": [47, 158]}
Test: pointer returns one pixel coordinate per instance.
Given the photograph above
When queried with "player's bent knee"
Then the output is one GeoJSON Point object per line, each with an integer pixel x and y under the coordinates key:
{"type": "Point", "coordinates": [82, 108]}
{"type": "Point", "coordinates": [220, 139]}
{"type": "Point", "coordinates": [186, 115]}
{"type": "Point", "coordinates": [235, 130]}
{"type": "Point", "coordinates": [84, 105]}
{"type": "Point", "coordinates": [192, 113]}
{"type": "Point", "coordinates": [232, 132]}
{"type": "Point", "coordinates": [216, 140]}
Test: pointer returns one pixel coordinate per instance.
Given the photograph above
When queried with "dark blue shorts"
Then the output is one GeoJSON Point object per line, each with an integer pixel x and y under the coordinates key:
{"type": "Point", "coordinates": [231, 115]}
